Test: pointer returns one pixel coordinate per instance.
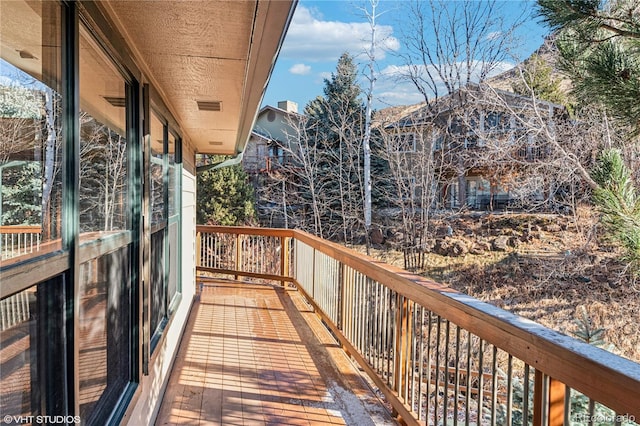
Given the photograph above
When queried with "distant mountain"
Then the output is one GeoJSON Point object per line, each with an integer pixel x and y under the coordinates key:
{"type": "Point", "coordinates": [548, 52]}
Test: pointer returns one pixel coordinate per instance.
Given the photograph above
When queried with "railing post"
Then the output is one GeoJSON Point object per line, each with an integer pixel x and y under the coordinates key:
{"type": "Point", "coordinates": [401, 344]}
{"type": "Point", "coordinates": [238, 255]}
{"type": "Point", "coordinates": [313, 275]}
{"type": "Point", "coordinates": [198, 249]}
{"type": "Point", "coordinates": [284, 258]}
{"type": "Point", "coordinates": [341, 296]}
{"type": "Point", "coordinates": [548, 401]}
{"type": "Point", "coordinates": [538, 399]}
{"type": "Point", "coordinates": [557, 391]}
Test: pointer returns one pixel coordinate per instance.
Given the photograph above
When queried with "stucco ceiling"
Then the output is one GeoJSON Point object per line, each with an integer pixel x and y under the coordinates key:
{"type": "Point", "coordinates": [207, 50]}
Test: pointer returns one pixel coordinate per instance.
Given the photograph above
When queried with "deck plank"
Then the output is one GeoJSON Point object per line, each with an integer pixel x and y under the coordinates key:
{"type": "Point", "coordinates": [255, 354]}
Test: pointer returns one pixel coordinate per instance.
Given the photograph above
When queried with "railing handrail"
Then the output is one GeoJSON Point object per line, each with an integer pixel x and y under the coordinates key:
{"type": "Point", "coordinates": [603, 376]}
{"type": "Point", "coordinates": [20, 229]}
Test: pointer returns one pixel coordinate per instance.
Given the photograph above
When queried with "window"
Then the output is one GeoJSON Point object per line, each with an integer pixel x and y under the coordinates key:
{"type": "Point", "coordinates": [104, 298]}
{"type": "Point", "coordinates": [405, 142]}
{"type": "Point", "coordinates": [172, 176]}
{"type": "Point", "coordinates": [438, 142]}
{"type": "Point", "coordinates": [408, 188]}
{"type": "Point", "coordinates": [31, 135]}
{"type": "Point", "coordinates": [32, 351]}
{"type": "Point", "coordinates": [493, 121]}
{"type": "Point", "coordinates": [158, 214]}
{"type": "Point", "coordinates": [103, 187]}
{"type": "Point", "coordinates": [104, 339]}
{"type": "Point", "coordinates": [164, 178]}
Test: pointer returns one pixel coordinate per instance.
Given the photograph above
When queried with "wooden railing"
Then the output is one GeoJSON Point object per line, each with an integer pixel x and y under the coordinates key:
{"type": "Point", "coordinates": [19, 240]}
{"type": "Point", "coordinates": [439, 356]}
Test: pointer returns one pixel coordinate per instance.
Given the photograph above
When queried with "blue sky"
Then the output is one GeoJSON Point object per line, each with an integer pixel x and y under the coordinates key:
{"type": "Point", "coordinates": [322, 30]}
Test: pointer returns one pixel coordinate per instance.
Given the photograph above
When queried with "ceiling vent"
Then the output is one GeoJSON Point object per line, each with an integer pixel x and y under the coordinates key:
{"type": "Point", "coordinates": [116, 102]}
{"type": "Point", "coordinates": [210, 105]}
{"type": "Point", "coordinates": [215, 143]}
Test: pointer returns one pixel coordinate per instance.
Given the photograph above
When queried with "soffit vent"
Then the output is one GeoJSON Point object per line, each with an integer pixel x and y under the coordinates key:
{"type": "Point", "coordinates": [210, 105]}
{"type": "Point", "coordinates": [215, 143]}
{"type": "Point", "coordinates": [115, 101]}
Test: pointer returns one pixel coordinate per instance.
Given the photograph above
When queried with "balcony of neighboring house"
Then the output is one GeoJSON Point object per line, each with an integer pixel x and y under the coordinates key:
{"type": "Point", "coordinates": [281, 317]}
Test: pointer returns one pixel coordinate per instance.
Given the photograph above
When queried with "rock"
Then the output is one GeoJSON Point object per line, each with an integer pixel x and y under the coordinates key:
{"type": "Point", "coordinates": [477, 250]}
{"type": "Point", "coordinates": [500, 243]}
{"type": "Point", "coordinates": [526, 237]}
{"type": "Point", "coordinates": [440, 247]}
{"type": "Point", "coordinates": [483, 245]}
{"type": "Point", "coordinates": [458, 248]}
{"type": "Point", "coordinates": [553, 227]}
{"type": "Point", "coordinates": [376, 236]}
{"type": "Point", "coordinates": [450, 247]}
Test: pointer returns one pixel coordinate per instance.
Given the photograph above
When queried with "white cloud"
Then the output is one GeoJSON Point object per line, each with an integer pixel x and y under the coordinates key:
{"type": "Point", "coordinates": [394, 88]}
{"type": "Point", "coordinates": [300, 69]}
{"type": "Point", "coordinates": [494, 35]}
{"type": "Point", "coordinates": [310, 38]}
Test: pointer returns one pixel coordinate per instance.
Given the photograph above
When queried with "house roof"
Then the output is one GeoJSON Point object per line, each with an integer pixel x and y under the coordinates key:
{"type": "Point", "coordinates": [255, 134]}
{"type": "Point", "coordinates": [412, 115]}
{"type": "Point", "coordinates": [267, 108]}
{"type": "Point", "coordinates": [207, 51]}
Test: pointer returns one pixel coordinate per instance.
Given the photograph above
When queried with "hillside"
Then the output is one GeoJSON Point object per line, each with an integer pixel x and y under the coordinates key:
{"type": "Point", "coordinates": [548, 52]}
{"type": "Point", "coordinates": [545, 267]}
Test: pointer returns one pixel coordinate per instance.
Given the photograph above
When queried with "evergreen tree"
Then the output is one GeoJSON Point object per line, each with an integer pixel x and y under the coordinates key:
{"type": "Point", "coordinates": [340, 113]}
{"type": "Point", "coordinates": [537, 78]}
{"type": "Point", "coordinates": [225, 196]}
{"type": "Point", "coordinates": [337, 122]}
{"type": "Point", "coordinates": [21, 195]}
{"type": "Point", "coordinates": [619, 205]}
{"type": "Point", "coordinates": [599, 44]}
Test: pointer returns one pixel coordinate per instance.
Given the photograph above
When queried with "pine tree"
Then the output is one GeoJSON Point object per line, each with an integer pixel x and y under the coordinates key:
{"type": "Point", "coordinates": [337, 121]}
{"type": "Point", "coordinates": [599, 44]}
{"type": "Point", "coordinates": [619, 205]}
{"type": "Point", "coordinates": [340, 112]}
{"type": "Point", "coordinates": [537, 78]}
{"type": "Point", "coordinates": [225, 196]}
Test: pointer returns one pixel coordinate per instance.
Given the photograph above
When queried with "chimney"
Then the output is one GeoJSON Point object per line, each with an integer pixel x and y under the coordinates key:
{"type": "Point", "coordinates": [288, 106]}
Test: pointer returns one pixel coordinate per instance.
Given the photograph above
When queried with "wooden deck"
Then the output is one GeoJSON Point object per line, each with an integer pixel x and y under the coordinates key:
{"type": "Point", "coordinates": [255, 354]}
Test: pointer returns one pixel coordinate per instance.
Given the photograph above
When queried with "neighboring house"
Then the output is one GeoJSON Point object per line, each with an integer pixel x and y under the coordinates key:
{"type": "Point", "coordinates": [273, 131]}
{"type": "Point", "coordinates": [270, 146]}
{"type": "Point", "coordinates": [480, 145]}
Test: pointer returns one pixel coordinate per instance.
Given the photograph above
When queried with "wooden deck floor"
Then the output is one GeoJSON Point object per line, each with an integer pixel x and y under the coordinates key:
{"type": "Point", "coordinates": [255, 354]}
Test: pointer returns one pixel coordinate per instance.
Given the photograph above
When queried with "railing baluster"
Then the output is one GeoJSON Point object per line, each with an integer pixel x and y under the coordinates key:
{"type": "Point", "coordinates": [480, 404]}
{"type": "Point", "coordinates": [567, 406]}
{"type": "Point", "coordinates": [407, 327]}
{"type": "Point", "coordinates": [421, 364]}
{"type": "Point", "coordinates": [429, 345]}
{"type": "Point", "coordinates": [445, 414]}
{"type": "Point", "coordinates": [467, 409]}
{"type": "Point", "coordinates": [525, 402]}
{"type": "Point", "coordinates": [510, 390]}
{"type": "Point", "coordinates": [494, 385]}
{"type": "Point", "coordinates": [456, 381]}
{"type": "Point", "coordinates": [437, 372]}
{"type": "Point", "coordinates": [414, 353]}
